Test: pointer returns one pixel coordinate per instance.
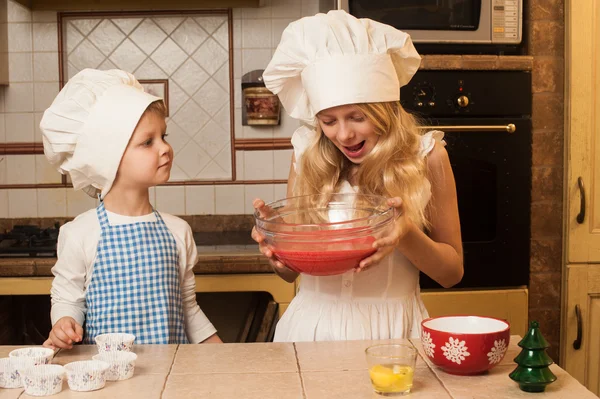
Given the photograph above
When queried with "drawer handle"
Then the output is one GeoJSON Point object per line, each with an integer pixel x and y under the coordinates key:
{"type": "Point", "coordinates": [581, 214]}
{"type": "Point", "coordinates": [577, 342]}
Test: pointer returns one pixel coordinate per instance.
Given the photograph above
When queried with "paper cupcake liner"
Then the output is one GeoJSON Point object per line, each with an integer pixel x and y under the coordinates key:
{"type": "Point", "coordinates": [10, 371]}
{"type": "Point", "coordinates": [43, 380]}
{"type": "Point", "coordinates": [86, 375]}
{"type": "Point", "coordinates": [38, 354]}
{"type": "Point", "coordinates": [112, 342]}
{"type": "Point", "coordinates": [122, 364]}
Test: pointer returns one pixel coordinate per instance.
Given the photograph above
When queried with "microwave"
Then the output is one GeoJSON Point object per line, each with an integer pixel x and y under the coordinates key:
{"type": "Point", "coordinates": [462, 22]}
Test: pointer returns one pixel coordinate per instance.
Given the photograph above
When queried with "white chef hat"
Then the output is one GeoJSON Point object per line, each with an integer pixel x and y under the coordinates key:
{"type": "Point", "coordinates": [89, 124]}
{"type": "Point", "coordinates": [334, 59]}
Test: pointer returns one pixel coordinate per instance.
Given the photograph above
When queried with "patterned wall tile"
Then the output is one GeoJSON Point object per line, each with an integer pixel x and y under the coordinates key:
{"type": "Point", "coordinates": [192, 52]}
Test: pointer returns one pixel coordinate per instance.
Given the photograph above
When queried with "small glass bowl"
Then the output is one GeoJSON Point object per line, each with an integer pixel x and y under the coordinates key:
{"type": "Point", "coordinates": [391, 368]}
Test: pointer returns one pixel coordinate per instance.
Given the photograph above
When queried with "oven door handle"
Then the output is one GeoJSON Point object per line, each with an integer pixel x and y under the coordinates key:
{"type": "Point", "coordinates": [510, 128]}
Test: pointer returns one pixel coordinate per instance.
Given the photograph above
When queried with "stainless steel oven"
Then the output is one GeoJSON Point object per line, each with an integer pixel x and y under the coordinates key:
{"type": "Point", "coordinates": [487, 120]}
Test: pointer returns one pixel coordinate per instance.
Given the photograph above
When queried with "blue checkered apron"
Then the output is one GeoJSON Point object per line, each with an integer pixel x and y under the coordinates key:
{"type": "Point", "coordinates": [135, 284]}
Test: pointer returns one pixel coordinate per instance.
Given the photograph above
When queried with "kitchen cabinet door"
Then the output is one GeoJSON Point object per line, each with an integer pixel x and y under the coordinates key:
{"type": "Point", "coordinates": [583, 132]}
{"type": "Point", "coordinates": [582, 332]}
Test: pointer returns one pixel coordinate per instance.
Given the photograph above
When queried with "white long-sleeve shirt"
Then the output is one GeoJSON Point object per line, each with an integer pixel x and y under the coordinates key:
{"type": "Point", "coordinates": [77, 250]}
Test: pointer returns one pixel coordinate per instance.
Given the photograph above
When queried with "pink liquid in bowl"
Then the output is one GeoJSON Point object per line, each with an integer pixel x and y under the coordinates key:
{"type": "Point", "coordinates": [343, 256]}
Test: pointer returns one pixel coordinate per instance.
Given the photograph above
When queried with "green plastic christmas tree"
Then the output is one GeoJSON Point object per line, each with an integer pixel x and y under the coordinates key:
{"type": "Point", "coordinates": [533, 372]}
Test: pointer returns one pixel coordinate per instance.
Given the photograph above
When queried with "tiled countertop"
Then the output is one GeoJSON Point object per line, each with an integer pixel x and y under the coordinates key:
{"type": "Point", "coordinates": [308, 370]}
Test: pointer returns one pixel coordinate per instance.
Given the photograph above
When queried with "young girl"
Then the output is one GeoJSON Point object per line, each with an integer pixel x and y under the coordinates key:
{"type": "Point", "coordinates": [343, 75]}
{"type": "Point", "coordinates": [122, 267]}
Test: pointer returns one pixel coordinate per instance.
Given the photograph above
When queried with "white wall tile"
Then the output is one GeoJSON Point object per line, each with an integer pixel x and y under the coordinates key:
{"type": "Point", "coordinates": [237, 119]}
{"type": "Point", "coordinates": [258, 165]}
{"type": "Point", "coordinates": [171, 199]}
{"type": "Point", "coordinates": [254, 191]}
{"type": "Point", "coordinates": [4, 203]}
{"type": "Point", "coordinates": [45, 172]}
{"type": "Point", "coordinates": [256, 33]}
{"type": "Point", "coordinates": [19, 127]}
{"type": "Point", "coordinates": [287, 9]}
{"type": "Point", "coordinates": [237, 63]}
{"type": "Point", "coordinates": [229, 199]}
{"type": "Point", "coordinates": [78, 202]}
{"type": "Point", "coordinates": [52, 202]}
{"type": "Point", "coordinates": [152, 196]}
{"type": "Point", "coordinates": [280, 191]}
{"type": "Point", "coordinates": [287, 125]}
{"type": "Point", "coordinates": [45, 36]}
{"type": "Point", "coordinates": [22, 203]}
{"type": "Point", "coordinates": [279, 25]}
{"type": "Point", "coordinates": [43, 95]}
{"type": "Point", "coordinates": [44, 16]}
{"type": "Point", "coordinates": [20, 67]}
{"type": "Point", "coordinates": [45, 67]}
{"type": "Point", "coordinates": [282, 160]}
{"type": "Point", "coordinates": [257, 131]}
{"type": "Point", "coordinates": [37, 132]}
{"type": "Point", "coordinates": [239, 165]}
{"type": "Point", "coordinates": [2, 128]}
{"type": "Point", "coordinates": [20, 169]}
{"type": "Point", "coordinates": [18, 12]}
{"type": "Point", "coordinates": [3, 168]}
{"type": "Point", "coordinates": [18, 97]}
{"type": "Point", "coordinates": [258, 12]}
{"type": "Point", "coordinates": [199, 200]}
{"type": "Point", "coordinates": [255, 59]}
{"type": "Point", "coordinates": [19, 37]}
{"type": "Point", "coordinates": [310, 7]}
{"type": "Point", "coordinates": [237, 90]}
{"type": "Point", "coordinates": [237, 33]}
{"type": "Point", "coordinates": [237, 13]}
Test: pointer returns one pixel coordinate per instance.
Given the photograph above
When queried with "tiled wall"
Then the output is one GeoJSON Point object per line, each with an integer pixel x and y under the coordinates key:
{"type": "Point", "coordinates": [33, 74]}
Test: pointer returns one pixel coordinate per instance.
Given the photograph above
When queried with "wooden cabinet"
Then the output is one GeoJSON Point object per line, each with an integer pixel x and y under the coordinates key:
{"type": "Point", "coordinates": [580, 344]}
{"type": "Point", "coordinates": [583, 132]}
{"type": "Point", "coordinates": [582, 333]}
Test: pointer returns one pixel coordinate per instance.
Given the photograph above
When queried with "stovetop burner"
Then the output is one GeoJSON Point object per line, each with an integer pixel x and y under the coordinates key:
{"type": "Point", "coordinates": [29, 241]}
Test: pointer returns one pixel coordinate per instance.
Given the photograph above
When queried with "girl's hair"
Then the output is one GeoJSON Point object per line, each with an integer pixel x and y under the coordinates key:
{"type": "Point", "coordinates": [394, 168]}
{"type": "Point", "coordinates": [158, 108]}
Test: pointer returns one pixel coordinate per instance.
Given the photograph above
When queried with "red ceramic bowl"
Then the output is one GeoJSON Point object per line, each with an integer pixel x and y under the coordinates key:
{"type": "Point", "coordinates": [465, 344]}
{"type": "Point", "coordinates": [324, 235]}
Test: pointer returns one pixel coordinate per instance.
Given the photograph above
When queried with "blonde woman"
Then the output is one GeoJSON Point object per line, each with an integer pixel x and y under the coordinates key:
{"type": "Point", "coordinates": [343, 75]}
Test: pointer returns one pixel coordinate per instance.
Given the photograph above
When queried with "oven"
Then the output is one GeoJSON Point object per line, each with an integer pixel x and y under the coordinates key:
{"type": "Point", "coordinates": [486, 117]}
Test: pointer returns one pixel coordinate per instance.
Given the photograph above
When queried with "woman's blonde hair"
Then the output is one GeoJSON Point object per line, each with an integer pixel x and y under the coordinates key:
{"type": "Point", "coordinates": [394, 168]}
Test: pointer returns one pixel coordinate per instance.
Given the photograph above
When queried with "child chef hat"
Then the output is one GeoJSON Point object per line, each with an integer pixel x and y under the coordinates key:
{"type": "Point", "coordinates": [334, 59]}
{"type": "Point", "coordinates": [89, 124]}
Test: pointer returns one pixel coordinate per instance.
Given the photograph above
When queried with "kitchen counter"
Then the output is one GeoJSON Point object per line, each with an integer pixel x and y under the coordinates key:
{"type": "Point", "coordinates": [309, 370]}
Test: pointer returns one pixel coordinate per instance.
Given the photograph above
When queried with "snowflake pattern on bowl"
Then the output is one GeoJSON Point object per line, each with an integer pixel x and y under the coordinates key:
{"type": "Point", "coordinates": [43, 380]}
{"type": "Point", "coordinates": [455, 350]}
{"type": "Point", "coordinates": [497, 352]}
{"type": "Point", "coordinates": [428, 345]}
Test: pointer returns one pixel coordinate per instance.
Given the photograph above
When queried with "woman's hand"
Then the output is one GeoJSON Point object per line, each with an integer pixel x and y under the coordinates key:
{"type": "Point", "coordinates": [279, 268]}
{"type": "Point", "coordinates": [385, 245]}
{"type": "Point", "coordinates": [64, 333]}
